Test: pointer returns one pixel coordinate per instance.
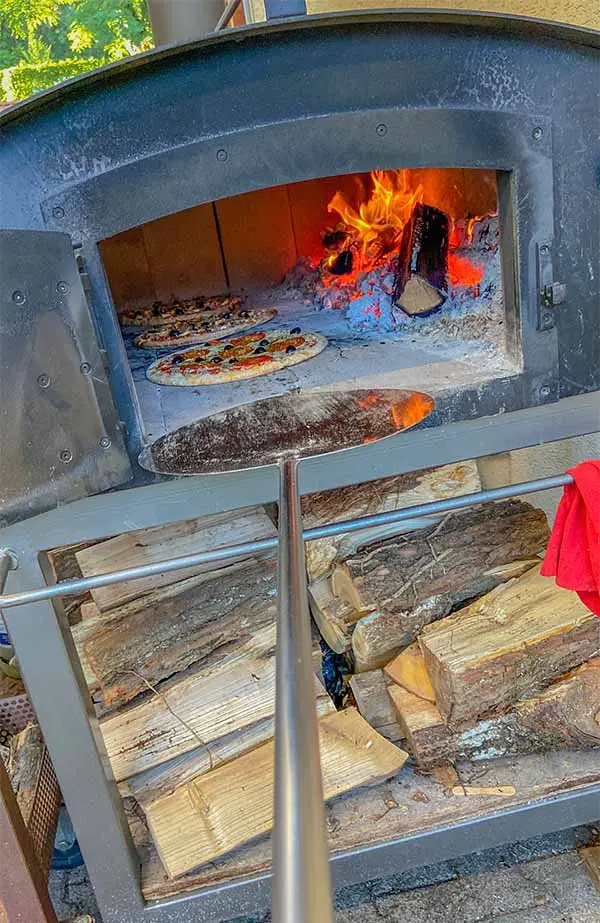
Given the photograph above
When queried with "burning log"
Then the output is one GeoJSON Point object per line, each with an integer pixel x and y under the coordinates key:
{"type": "Point", "coordinates": [342, 264]}
{"type": "Point", "coordinates": [562, 716]}
{"type": "Point", "coordinates": [508, 645]}
{"type": "Point", "coordinates": [422, 276]}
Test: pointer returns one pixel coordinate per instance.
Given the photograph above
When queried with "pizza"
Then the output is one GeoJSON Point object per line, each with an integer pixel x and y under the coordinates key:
{"type": "Point", "coordinates": [159, 313]}
{"type": "Point", "coordinates": [246, 356]}
{"type": "Point", "coordinates": [214, 326]}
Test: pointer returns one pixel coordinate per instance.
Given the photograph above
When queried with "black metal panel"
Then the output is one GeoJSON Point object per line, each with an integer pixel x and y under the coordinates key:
{"type": "Point", "coordinates": [61, 438]}
{"type": "Point", "coordinates": [266, 106]}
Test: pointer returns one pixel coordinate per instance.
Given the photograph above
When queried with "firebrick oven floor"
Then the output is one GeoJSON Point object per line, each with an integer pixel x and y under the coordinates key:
{"type": "Point", "coordinates": [440, 355]}
{"type": "Point", "coordinates": [410, 803]}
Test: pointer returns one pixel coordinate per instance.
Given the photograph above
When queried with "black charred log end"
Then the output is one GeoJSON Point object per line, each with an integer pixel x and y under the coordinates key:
{"type": "Point", "coordinates": [343, 263]}
{"type": "Point", "coordinates": [332, 239]}
{"type": "Point", "coordinates": [422, 274]}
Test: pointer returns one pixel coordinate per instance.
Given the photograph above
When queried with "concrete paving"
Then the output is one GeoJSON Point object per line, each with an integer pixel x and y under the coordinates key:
{"type": "Point", "coordinates": [539, 881]}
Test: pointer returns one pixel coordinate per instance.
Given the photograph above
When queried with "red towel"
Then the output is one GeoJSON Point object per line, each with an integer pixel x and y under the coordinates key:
{"type": "Point", "coordinates": [573, 554]}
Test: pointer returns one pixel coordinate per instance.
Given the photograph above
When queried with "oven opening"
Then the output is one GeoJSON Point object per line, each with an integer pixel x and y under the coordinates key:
{"type": "Point", "coordinates": [399, 275]}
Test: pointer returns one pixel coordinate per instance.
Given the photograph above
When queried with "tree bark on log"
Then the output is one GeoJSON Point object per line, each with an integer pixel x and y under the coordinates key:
{"type": "Point", "coordinates": [142, 645]}
{"type": "Point", "coordinates": [25, 766]}
{"type": "Point", "coordinates": [561, 717]}
{"type": "Point", "coordinates": [377, 497]}
{"type": "Point", "coordinates": [402, 587]}
{"type": "Point", "coordinates": [508, 645]}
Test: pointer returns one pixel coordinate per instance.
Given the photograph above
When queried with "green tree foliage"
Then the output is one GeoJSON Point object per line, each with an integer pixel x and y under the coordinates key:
{"type": "Point", "coordinates": [38, 33]}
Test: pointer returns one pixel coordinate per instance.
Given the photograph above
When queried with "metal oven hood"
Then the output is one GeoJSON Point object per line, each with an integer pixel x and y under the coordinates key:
{"type": "Point", "coordinates": [257, 107]}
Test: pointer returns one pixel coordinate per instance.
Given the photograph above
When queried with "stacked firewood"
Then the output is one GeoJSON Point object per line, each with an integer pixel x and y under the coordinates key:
{"type": "Point", "coordinates": [444, 621]}
{"type": "Point", "coordinates": [460, 649]}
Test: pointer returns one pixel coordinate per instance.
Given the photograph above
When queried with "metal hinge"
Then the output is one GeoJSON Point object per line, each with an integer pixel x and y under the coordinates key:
{"type": "Point", "coordinates": [83, 274]}
{"type": "Point", "coordinates": [551, 293]}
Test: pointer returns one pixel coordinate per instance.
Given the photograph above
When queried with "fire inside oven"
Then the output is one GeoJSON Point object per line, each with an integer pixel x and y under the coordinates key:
{"type": "Point", "coordinates": [398, 272]}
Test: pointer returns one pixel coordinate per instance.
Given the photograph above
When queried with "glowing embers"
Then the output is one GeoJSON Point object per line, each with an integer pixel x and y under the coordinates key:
{"type": "Point", "coordinates": [408, 243]}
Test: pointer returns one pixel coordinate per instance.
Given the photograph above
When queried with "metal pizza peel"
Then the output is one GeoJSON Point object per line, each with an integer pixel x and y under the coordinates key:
{"type": "Point", "coordinates": [282, 431]}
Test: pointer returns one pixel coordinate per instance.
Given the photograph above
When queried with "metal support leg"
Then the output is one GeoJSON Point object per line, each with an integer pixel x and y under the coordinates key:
{"type": "Point", "coordinates": [302, 880]}
{"type": "Point", "coordinates": [56, 687]}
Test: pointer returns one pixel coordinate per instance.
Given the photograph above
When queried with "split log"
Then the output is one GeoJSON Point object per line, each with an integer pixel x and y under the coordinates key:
{"type": "Point", "coordinates": [409, 671]}
{"type": "Point", "coordinates": [164, 779]}
{"type": "Point", "coordinates": [370, 692]}
{"type": "Point", "coordinates": [422, 577]}
{"type": "Point", "coordinates": [64, 566]}
{"type": "Point", "coordinates": [196, 710]}
{"type": "Point", "coordinates": [25, 767]}
{"type": "Point", "coordinates": [334, 617]}
{"type": "Point", "coordinates": [219, 811]}
{"type": "Point", "coordinates": [561, 717]}
{"type": "Point", "coordinates": [147, 546]}
{"type": "Point", "coordinates": [378, 497]}
{"type": "Point", "coordinates": [508, 645]}
{"type": "Point", "coordinates": [142, 645]}
{"type": "Point", "coordinates": [422, 274]}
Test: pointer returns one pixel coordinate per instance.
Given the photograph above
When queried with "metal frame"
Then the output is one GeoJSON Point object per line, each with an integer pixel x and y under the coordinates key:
{"type": "Point", "coordinates": [484, 78]}
{"type": "Point", "coordinates": [58, 692]}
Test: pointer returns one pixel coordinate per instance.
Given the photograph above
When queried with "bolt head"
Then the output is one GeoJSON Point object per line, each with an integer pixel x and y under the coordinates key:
{"type": "Point", "coordinates": [105, 442]}
{"type": "Point", "coordinates": [85, 368]}
{"type": "Point", "coordinates": [381, 129]}
{"type": "Point", "coordinates": [538, 133]}
{"type": "Point", "coordinates": [58, 212]}
{"type": "Point", "coordinates": [18, 297]}
{"type": "Point", "coordinates": [66, 456]}
{"type": "Point", "coordinates": [222, 155]}
{"type": "Point", "coordinates": [62, 288]}
{"type": "Point", "coordinates": [43, 380]}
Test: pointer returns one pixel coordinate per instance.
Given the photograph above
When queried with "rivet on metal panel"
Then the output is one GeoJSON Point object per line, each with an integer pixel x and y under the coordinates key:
{"type": "Point", "coordinates": [381, 129]}
{"type": "Point", "coordinates": [18, 297]}
{"type": "Point", "coordinates": [43, 380]}
{"type": "Point", "coordinates": [58, 212]}
{"type": "Point", "coordinates": [538, 133]}
{"type": "Point", "coordinates": [12, 555]}
{"type": "Point", "coordinates": [105, 442]}
{"type": "Point", "coordinates": [85, 368]}
{"type": "Point", "coordinates": [222, 155]}
{"type": "Point", "coordinates": [62, 288]}
{"type": "Point", "coordinates": [66, 456]}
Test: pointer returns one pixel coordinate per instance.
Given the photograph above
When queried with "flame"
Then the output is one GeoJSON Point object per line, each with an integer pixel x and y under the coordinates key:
{"type": "Point", "coordinates": [375, 226]}
{"type": "Point", "coordinates": [462, 271]}
{"type": "Point", "coordinates": [412, 410]}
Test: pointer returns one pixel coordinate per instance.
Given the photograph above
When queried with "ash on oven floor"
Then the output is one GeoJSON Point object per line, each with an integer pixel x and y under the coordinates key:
{"type": "Point", "coordinates": [539, 881]}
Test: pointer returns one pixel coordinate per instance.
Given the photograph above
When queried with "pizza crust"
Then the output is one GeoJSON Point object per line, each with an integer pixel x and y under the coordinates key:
{"type": "Point", "coordinates": [211, 326]}
{"type": "Point", "coordinates": [206, 371]}
{"type": "Point", "coordinates": [160, 314]}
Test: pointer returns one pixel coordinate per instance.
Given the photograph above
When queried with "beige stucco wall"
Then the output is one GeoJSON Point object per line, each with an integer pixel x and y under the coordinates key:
{"type": "Point", "coordinates": [584, 13]}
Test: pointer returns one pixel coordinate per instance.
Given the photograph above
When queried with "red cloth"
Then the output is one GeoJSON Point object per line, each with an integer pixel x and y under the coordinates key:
{"type": "Point", "coordinates": [573, 554]}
